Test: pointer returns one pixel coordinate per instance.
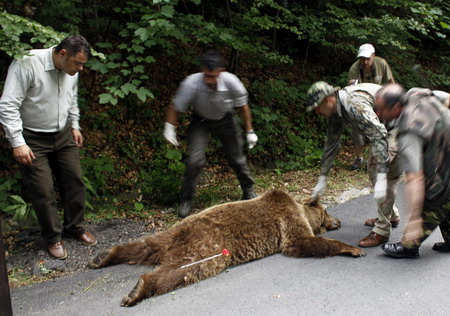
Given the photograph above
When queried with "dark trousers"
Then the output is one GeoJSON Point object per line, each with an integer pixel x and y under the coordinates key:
{"type": "Point", "coordinates": [229, 134]}
{"type": "Point", "coordinates": [56, 155]}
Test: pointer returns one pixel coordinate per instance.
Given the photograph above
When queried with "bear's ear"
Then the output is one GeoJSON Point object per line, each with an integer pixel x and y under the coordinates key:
{"type": "Point", "coordinates": [312, 203]}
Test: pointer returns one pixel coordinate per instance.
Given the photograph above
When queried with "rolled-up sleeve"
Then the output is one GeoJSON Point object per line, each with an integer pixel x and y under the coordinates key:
{"type": "Point", "coordinates": [74, 112]}
{"type": "Point", "coordinates": [332, 146]}
{"type": "Point", "coordinates": [238, 91]}
{"type": "Point", "coordinates": [411, 152]}
{"type": "Point", "coordinates": [16, 85]}
{"type": "Point", "coordinates": [184, 95]}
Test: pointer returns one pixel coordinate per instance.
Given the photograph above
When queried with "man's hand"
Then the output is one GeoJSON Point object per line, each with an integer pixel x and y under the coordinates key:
{"type": "Point", "coordinates": [170, 134]}
{"type": "Point", "coordinates": [379, 192]}
{"type": "Point", "coordinates": [413, 232]}
{"type": "Point", "coordinates": [23, 155]}
{"type": "Point", "coordinates": [252, 139]}
{"type": "Point", "coordinates": [320, 186]}
{"type": "Point", "coordinates": [77, 137]}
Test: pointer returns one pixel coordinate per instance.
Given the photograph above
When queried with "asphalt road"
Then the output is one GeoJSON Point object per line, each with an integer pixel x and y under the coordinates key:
{"type": "Point", "coordinates": [277, 285]}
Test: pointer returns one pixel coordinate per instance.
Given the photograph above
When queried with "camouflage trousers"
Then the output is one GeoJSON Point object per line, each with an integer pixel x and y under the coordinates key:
{"type": "Point", "coordinates": [433, 217]}
{"type": "Point", "coordinates": [387, 211]}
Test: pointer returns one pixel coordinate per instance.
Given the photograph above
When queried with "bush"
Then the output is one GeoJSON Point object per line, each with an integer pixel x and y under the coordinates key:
{"type": "Point", "coordinates": [288, 135]}
{"type": "Point", "coordinates": [161, 184]}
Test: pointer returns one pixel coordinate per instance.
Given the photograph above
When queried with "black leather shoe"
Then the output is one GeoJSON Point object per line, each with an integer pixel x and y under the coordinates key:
{"type": "Point", "coordinates": [184, 209]}
{"type": "Point", "coordinates": [442, 247]}
{"type": "Point", "coordinates": [357, 164]}
{"type": "Point", "coordinates": [398, 251]}
{"type": "Point", "coordinates": [249, 195]}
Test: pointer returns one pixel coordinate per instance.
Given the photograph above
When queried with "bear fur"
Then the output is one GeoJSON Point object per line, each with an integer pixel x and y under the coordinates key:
{"type": "Point", "coordinates": [249, 230]}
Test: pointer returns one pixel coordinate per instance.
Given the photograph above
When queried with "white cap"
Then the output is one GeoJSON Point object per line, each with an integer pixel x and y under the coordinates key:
{"type": "Point", "coordinates": [366, 50]}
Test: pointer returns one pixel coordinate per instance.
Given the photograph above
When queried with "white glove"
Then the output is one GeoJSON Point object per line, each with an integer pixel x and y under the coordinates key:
{"type": "Point", "coordinates": [170, 134]}
{"type": "Point", "coordinates": [320, 186]}
{"type": "Point", "coordinates": [251, 139]}
{"type": "Point", "coordinates": [379, 192]}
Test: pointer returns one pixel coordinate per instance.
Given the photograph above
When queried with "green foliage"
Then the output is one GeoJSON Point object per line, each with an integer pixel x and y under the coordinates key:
{"type": "Point", "coordinates": [162, 182]}
{"type": "Point", "coordinates": [18, 33]}
{"type": "Point", "coordinates": [281, 117]}
{"type": "Point", "coordinates": [12, 204]}
{"type": "Point", "coordinates": [277, 47]}
{"type": "Point", "coordinates": [95, 173]}
{"type": "Point", "coordinates": [21, 211]}
{"type": "Point", "coordinates": [66, 15]}
{"type": "Point", "coordinates": [159, 27]}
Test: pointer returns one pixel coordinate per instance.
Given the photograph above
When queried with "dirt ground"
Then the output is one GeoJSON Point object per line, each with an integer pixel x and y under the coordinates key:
{"type": "Point", "coordinates": [26, 255]}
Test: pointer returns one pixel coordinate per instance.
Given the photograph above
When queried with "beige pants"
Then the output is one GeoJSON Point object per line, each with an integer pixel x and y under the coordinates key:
{"type": "Point", "coordinates": [387, 211]}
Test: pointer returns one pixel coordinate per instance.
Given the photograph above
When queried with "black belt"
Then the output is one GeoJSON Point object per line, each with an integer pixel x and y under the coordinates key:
{"type": "Point", "coordinates": [197, 117]}
{"type": "Point", "coordinates": [41, 133]}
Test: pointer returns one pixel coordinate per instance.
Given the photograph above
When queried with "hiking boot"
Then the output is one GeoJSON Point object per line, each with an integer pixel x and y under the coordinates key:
{"type": "Point", "coordinates": [248, 195]}
{"type": "Point", "coordinates": [184, 208]}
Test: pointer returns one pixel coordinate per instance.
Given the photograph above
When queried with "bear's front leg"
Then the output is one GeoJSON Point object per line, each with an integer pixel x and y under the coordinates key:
{"type": "Point", "coordinates": [131, 253]}
{"type": "Point", "coordinates": [319, 247]}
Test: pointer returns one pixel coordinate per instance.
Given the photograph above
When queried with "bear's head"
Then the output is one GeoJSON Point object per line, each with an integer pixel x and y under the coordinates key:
{"type": "Point", "coordinates": [318, 217]}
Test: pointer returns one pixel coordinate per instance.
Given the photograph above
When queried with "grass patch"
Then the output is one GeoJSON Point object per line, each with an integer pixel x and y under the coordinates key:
{"type": "Point", "coordinates": [19, 276]}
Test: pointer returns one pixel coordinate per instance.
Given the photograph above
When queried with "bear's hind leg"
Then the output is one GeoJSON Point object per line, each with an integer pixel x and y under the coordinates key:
{"type": "Point", "coordinates": [131, 253]}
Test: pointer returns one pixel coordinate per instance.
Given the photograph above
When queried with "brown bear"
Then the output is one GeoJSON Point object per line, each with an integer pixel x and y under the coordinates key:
{"type": "Point", "coordinates": [249, 230]}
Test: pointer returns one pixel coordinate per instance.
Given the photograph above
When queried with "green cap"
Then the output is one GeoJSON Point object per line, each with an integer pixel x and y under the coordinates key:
{"type": "Point", "coordinates": [317, 92]}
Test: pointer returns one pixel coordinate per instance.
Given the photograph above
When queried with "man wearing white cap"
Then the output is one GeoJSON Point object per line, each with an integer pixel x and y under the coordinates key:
{"type": "Point", "coordinates": [371, 69]}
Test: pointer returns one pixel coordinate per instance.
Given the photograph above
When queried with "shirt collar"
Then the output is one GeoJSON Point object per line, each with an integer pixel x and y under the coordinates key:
{"type": "Point", "coordinates": [372, 70]}
{"type": "Point", "coordinates": [48, 60]}
{"type": "Point", "coordinates": [220, 83]}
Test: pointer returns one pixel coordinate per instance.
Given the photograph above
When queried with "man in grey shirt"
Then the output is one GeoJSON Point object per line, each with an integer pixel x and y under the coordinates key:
{"type": "Point", "coordinates": [214, 94]}
{"type": "Point", "coordinates": [39, 113]}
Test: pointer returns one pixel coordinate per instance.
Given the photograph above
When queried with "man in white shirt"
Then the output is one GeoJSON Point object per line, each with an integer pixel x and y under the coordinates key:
{"type": "Point", "coordinates": [39, 113]}
{"type": "Point", "coordinates": [214, 95]}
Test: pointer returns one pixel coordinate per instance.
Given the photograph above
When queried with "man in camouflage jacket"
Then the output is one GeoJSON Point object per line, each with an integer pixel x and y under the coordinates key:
{"type": "Point", "coordinates": [353, 106]}
{"type": "Point", "coordinates": [424, 146]}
